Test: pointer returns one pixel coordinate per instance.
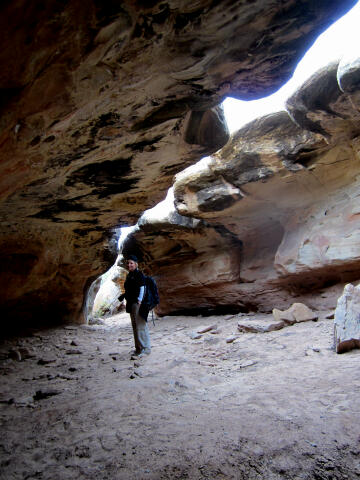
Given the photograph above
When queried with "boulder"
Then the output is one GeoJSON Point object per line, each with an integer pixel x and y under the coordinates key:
{"type": "Point", "coordinates": [347, 320]}
{"type": "Point", "coordinates": [298, 312]}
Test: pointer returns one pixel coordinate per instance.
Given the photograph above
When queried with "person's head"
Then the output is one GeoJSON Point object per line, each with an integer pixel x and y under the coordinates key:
{"type": "Point", "coordinates": [132, 263]}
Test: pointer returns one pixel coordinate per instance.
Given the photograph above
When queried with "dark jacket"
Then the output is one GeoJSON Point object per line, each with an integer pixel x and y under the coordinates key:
{"type": "Point", "coordinates": [134, 280]}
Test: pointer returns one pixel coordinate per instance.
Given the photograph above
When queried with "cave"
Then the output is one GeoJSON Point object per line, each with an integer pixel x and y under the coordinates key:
{"type": "Point", "coordinates": [106, 107]}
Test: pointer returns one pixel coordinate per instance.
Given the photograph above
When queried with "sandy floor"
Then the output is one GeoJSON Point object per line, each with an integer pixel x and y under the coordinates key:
{"type": "Point", "coordinates": [277, 405]}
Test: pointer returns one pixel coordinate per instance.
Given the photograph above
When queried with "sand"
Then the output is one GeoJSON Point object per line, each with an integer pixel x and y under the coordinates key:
{"type": "Point", "coordinates": [275, 405]}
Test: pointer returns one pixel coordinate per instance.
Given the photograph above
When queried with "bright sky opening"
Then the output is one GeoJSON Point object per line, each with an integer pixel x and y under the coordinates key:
{"type": "Point", "coordinates": [342, 36]}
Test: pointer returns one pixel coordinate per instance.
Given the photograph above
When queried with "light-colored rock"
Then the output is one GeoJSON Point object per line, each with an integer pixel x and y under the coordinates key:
{"type": "Point", "coordinates": [259, 325]}
{"type": "Point", "coordinates": [283, 316]}
{"type": "Point", "coordinates": [216, 331]}
{"type": "Point", "coordinates": [106, 301]}
{"type": "Point", "coordinates": [195, 336]}
{"type": "Point", "coordinates": [231, 339]}
{"type": "Point", "coordinates": [298, 312]}
{"type": "Point", "coordinates": [302, 313]}
{"type": "Point", "coordinates": [206, 328]}
{"type": "Point", "coordinates": [247, 363]}
{"type": "Point", "coordinates": [347, 320]}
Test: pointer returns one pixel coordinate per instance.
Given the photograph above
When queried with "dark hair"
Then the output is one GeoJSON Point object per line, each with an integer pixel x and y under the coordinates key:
{"type": "Point", "coordinates": [133, 258]}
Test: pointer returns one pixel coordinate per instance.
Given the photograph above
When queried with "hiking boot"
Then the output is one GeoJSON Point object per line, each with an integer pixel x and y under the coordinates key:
{"type": "Point", "coordinates": [135, 354]}
{"type": "Point", "coordinates": [145, 351]}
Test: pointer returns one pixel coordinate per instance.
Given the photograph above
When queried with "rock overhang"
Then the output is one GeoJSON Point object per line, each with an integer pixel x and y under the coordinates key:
{"type": "Point", "coordinates": [287, 196]}
{"type": "Point", "coordinates": [103, 104]}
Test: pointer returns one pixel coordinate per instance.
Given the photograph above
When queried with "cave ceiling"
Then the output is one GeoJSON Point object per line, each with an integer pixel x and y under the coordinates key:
{"type": "Point", "coordinates": [102, 103]}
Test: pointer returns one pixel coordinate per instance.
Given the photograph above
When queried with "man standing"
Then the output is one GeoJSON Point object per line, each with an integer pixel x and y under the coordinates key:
{"type": "Point", "coordinates": [134, 294]}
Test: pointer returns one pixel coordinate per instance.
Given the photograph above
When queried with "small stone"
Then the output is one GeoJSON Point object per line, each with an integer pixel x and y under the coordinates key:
{"type": "Point", "coordinates": [24, 402]}
{"type": "Point", "coordinates": [231, 339]}
{"type": "Point", "coordinates": [25, 353]}
{"type": "Point", "coordinates": [206, 329]}
{"type": "Point", "coordinates": [316, 349]}
{"type": "Point", "coordinates": [82, 451]}
{"type": "Point", "coordinates": [195, 336]}
{"type": "Point", "coordinates": [46, 361]}
{"type": "Point", "coordinates": [72, 369]}
{"type": "Point", "coordinates": [41, 395]}
{"type": "Point", "coordinates": [73, 352]}
{"type": "Point", "coordinates": [73, 343]}
{"type": "Point", "coordinates": [247, 363]}
{"type": "Point", "coordinates": [132, 376]}
{"type": "Point", "coordinates": [15, 355]}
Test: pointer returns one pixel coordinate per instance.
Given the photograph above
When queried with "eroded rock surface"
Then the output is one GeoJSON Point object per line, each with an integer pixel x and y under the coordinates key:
{"type": "Point", "coordinates": [280, 204]}
{"type": "Point", "coordinates": [101, 104]}
{"type": "Point", "coordinates": [347, 320]}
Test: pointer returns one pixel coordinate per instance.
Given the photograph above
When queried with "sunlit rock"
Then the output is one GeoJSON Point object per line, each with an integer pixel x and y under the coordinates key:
{"type": "Point", "coordinates": [322, 106]}
{"type": "Point", "coordinates": [112, 285]}
{"type": "Point", "coordinates": [347, 320]}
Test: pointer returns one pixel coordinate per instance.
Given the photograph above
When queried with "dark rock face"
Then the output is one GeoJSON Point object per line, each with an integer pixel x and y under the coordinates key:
{"type": "Point", "coordinates": [287, 198]}
{"type": "Point", "coordinates": [101, 104]}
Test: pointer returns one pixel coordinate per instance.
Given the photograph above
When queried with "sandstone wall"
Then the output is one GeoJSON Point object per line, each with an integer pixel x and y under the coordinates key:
{"type": "Point", "coordinates": [285, 189]}
{"type": "Point", "coordinates": [101, 104]}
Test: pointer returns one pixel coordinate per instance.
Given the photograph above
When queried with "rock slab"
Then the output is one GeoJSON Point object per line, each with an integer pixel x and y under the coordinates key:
{"type": "Point", "coordinates": [259, 325]}
{"type": "Point", "coordinates": [347, 320]}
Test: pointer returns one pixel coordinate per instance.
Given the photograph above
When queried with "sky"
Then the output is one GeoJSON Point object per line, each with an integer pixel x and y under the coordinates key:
{"type": "Point", "coordinates": [342, 36]}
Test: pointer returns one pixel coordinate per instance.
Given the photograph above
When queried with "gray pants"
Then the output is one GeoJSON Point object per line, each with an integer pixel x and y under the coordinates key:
{"type": "Point", "coordinates": [140, 330]}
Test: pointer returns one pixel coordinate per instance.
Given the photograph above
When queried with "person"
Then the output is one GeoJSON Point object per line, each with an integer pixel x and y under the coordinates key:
{"type": "Point", "coordinates": [134, 294]}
